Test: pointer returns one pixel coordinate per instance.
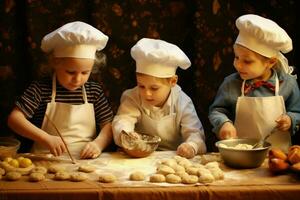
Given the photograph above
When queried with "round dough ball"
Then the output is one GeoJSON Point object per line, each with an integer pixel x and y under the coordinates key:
{"type": "Point", "coordinates": [157, 178]}
{"type": "Point", "coordinates": [55, 168]}
{"type": "Point", "coordinates": [164, 169]}
{"type": "Point", "coordinates": [189, 179]}
{"type": "Point", "coordinates": [172, 178]}
{"type": "Point", "coordinates": [78, 176]}
{"type": "Point", "coordinates": [107, 178]}
{"type": "Point", "coordinates": [212, 165]}
{"type": "Point", "coordinates": [13, 176]}
{"type": "Point", "coordinates": [86, 168]}
{"type": "Point", "coordinates": [170, 162]}
{"type": "Point", "coordinates": [36, 176]}
{"type": "Point", "coordinates": [181, 174]}
{"type": "Point", "coordinates": [61, 176]}
{"type": "Point", "coordinates": [39, 169]}
{"type": "Point", "coordinates": [192, 170]}
{"type": "Point", "coordinates": [202, 171]}
{"type": "Point", "coordinates": [206, 178]}
{"type": "Point", "coordinates": [185, 163]}
{"type": "Point", "coordinates": [179, 168]}
{"type": "Point", "coordinates": [137, 176]}
{"type": "Point", "coordinates": [217, 173]}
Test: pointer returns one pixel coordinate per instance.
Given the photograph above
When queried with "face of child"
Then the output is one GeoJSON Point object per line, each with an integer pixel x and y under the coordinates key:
{"type": "Point", "coordinates": [251, 65]}
{"type": "Point", "coordinates": [154, 91]}
{"type": "Point", "coordinates": [72, 73]}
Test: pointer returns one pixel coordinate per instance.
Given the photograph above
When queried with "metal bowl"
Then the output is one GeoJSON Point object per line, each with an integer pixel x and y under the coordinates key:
{"type": "Point", "coordinates": [8, 147]}
{"type": "Point", "coordinates": [242, 158]}
{"type": "Point", "coordinates": [141, 147]}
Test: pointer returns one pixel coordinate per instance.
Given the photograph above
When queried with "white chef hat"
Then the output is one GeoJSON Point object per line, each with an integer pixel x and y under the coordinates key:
{"type": "Point", "coordinates": [75, 39]}
{"type": "Point", "coordinates": [265, 37]}
{"type": "Point", "coordinates": [158, 58]}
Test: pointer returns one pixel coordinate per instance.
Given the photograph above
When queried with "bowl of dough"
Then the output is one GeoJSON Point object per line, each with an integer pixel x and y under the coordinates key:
{"type": "Point", "coordinates": [141, 146]}
{"type": "Point", "coordinates": [8, 147]}
{"type": "Point", "coordinates": [239, 153]}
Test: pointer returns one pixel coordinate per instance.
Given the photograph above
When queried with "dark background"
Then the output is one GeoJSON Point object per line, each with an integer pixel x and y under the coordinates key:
{"type": "Point", "coordinates": [204, 29]}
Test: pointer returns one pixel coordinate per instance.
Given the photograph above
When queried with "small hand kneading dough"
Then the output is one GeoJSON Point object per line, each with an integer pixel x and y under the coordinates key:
{"type": "Point", "coordinates": [36, 176]}
{"type": "Point", "coordinates": [61, 175]}
{"type": "Point", "coordinates": [189, 179]}
{"type": "Point", "coordinates": [39, 169]}
{"type": "Point", "coordinates": [137, 176]}
{"type": "Point", "coordinates": [55, 168]}
{"type": "Point", "coordinates": [86, 168]}
{"type": "Point", "coordinates": [172, 178]}
{"type": "Point", "coordinates": [13, 176]}
{"type": "Point", "coordinates": [157, 178]}
{"type": "Point", "coordinates": [78, 176]}
{"type": "Point", "coordinates": [107, 178]}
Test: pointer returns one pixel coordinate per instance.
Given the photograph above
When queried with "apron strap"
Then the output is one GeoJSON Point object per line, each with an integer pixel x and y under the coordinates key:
{"type": "Point", "coordinates": [54, 90]}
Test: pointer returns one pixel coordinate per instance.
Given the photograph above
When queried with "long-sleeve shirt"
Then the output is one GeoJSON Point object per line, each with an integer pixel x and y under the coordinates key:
{"type": "Point", "coordinates": [190, 127]}
{"type": "Point", "coordinates": [224, 106]}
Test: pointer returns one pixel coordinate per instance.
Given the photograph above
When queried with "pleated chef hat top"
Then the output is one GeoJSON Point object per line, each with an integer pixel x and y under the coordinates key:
{"type": "Point", "coordinates": [262, 35]}
{"type": "Point", "coordinates": [76, 39]}
{"type": "Point", "coordinates": [158, 58]}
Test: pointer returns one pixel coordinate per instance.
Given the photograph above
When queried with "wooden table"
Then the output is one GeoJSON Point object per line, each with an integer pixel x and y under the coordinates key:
{"type": "Point", "coordinates": [238, 184]}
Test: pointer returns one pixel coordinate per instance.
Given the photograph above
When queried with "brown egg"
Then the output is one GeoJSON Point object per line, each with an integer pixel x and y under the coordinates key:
{"type": "Point", "coordinates": [277, 153]}
{"type": "Point", "coordinates": [277, 165]}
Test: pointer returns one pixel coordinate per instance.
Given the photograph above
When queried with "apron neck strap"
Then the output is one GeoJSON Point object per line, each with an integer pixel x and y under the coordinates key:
{"type": "Point", "coordinates": [276, 85]}
{"type": "Point", "coordinates": [54, 90]}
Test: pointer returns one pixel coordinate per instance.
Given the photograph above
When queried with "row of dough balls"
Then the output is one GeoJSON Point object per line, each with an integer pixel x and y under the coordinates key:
{"type": "Point", "coordinates": [38, 173]}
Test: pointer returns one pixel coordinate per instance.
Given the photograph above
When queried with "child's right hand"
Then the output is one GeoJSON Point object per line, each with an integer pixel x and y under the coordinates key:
{"type": "Point", "coordinates": [227, 131]}
{"type": "Point", "coordinates": [55, 145]}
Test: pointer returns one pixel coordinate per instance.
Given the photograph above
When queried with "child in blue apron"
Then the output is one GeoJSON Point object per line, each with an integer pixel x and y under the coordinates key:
{"type": "Point", "coordinates": [262, 96]}
{"type": "Point", "coordinates": [67, 99]}
{"type": "Point", "coordinates": [157, 105]}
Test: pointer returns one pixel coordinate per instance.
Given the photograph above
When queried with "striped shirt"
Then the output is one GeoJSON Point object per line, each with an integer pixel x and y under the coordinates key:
{"type": "Point", "coordinates": [33, 102]}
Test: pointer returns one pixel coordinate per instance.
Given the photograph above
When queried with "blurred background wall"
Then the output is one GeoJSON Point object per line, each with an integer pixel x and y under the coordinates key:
{"type": "Point", "coordinates": [204, 29]}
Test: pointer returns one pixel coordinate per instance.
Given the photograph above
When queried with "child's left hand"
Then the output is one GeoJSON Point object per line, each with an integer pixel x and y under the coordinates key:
{"type": "Point", "coordinates": [186, 150]}
{"type": "Point", "coordinates": [91, 150]}
{"type": "Point", "coordinates": [284, 122]}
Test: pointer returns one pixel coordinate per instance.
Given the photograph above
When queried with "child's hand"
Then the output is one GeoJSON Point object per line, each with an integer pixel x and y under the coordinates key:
{"type": "Point", "coordinates": [55, 145]}
{"type": "Point", "coordinates": [186, 150]}
{"type": "Point", "coordinates": [284, 122]}
{"type": "Point", "coordinates": [91, 150]}
{"type": "Point", "coordinates": [227, 131]}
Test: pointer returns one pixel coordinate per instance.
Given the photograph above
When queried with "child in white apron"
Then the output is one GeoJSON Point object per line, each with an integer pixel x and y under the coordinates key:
{"type": "Point", "coordinates": [263, 96]}
{"type": "Point", "coordinates": [63, 99]}
{"type": "Point", "coordinates": [157, 105]}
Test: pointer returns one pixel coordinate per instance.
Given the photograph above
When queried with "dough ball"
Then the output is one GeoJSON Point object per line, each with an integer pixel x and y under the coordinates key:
{"type": "Point", "coordinates": [189, 179]}
{"type": "Point", "coordinates": [178, 158]}
{"type": "Point", "coordinates": [185, 163]}
{"type": "Point", "coordinates": [86, 168]}
{"type": "Point", "coordinates": [157, 178]}
{"type": "Point", "coordinates": [197, 165]}
{"type": "Point", "coordinates": [217, 173]}
{"type": "Point", "coordinates": [78, 176]}
{"type": "Point", "coordinates": [212, 165]}
{"type": "Point", "coordinates": [164, 169]}
{"type": "Point", "coordinates": [36, 176]}
{"type": "Point", "coordinates": [137, 176]}
{"type": "Point", "coordinates": [13, 176]}
{"type": "Point", "coordinates": [107, 178]}
{"type": "Point", "coordinates": [206, 178]}
{"type": "Point", "coordinates": [192, 170]}
{"type": "Point", "coordinates": [206, 158]}
{"type": "Point", "coordinates": [172, 178]}
{"type": "Point", "coordinates": [55, 168]}
{"type": "Point", "coordinates": [2, 171]}
{"type": "Point", "coordinates": [39, 169]}
{"type": "Point", "coordinates": [202, 171]}
{"type": "Point", "coordinates": [61, 176]}
{"type": "Point", "coordinates": [179, 168]}
{"type": "Point", "coordinates": [181, 174]}
{"type": "Point", "coordinates": [170, 162]}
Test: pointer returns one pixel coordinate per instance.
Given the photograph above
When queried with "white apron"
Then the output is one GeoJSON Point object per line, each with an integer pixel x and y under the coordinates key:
{"type": "Point", "coordinates": [76, 123]}
{"type": "Point", "coordinates": [255, 118]}
{"type": "Point", "coordinates": [165, 127]}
